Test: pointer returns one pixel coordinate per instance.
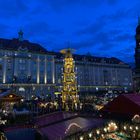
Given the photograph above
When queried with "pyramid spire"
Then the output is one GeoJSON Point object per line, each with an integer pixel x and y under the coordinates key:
{"type": "Point", "coordinates": [69, 89]}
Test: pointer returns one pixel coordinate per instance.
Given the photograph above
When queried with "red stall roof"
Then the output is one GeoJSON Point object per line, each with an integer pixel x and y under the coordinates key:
{"type": "Point", "coordinates": [126, 104]}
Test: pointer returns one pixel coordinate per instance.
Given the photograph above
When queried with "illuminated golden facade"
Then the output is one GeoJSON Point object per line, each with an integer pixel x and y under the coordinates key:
{"type": "Point", "coordinates": [69, 89]}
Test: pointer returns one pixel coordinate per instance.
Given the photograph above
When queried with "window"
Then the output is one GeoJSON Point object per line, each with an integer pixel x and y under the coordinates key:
{"type": "Point", "coordinates": [21, 61]}
{"type": "Point", "coordinates": [0, 67]}
{"type": "Point", "coordinates": [49, 72]}
{"type": "Point", "coordinates": [9, 64]}
{"type": "Point", "coordinates": [105, 76]}
{"type": "Point", "coordinates": [22, 67]}
{"type": "Point", "coordinates": [9, 61]}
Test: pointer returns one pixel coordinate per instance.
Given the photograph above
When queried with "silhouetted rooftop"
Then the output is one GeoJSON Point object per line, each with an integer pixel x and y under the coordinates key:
{"type": "Point", "coordinates": [25, 45]}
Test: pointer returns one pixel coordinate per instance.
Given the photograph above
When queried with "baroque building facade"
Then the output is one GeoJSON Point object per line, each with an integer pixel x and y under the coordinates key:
{"type": "Point", "coordinates": [26, 67]}
{"type": "Point", "coordinates": [30, 69]}
{"type": "Point", "coordinates": [97, 73]}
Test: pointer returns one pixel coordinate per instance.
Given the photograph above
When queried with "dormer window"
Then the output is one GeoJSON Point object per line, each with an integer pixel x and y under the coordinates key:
{"type": "Point", "coordinates": [22, 49]}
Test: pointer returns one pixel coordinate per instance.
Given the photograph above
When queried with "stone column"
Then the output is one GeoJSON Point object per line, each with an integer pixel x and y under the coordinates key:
{"type": "Point", "coordinates": [4, 68]}
{"type": "Point", "coordinates": [53, 71]}
{"type": "Point", "coordinates": [29, 67]}
{"type": "Point", "coordinates": [15, 66]}
{"type": "Point", "coordinates": [116, 76]}
{"type": "Point", "coordinates": [45, 70]}
{"type": "Point", "coordinates": [38, 70]}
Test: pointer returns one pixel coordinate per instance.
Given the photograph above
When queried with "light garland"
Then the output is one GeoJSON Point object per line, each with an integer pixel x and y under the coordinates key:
{"type": "Point", "coordinates": [72, 124]}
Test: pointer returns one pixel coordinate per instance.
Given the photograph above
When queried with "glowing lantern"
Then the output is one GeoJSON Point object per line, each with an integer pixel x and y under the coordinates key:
{"type": "Point", "coordinates": [112, 127]}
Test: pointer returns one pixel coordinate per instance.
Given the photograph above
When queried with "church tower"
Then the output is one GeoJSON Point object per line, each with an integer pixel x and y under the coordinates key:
{"type": "Point", "coordinates": [137, 57]}
{"type": "Point", "coordinates": [20, 35]}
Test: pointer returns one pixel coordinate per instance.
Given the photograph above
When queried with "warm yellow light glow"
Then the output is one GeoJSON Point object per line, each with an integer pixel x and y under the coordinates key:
{"type": "Point", "coordinates": [11, 96]}
{"type": "Point", "coordinates": [90, 135]}
{"type": "Point", "coordinates": [57, 93]}
{"type": "Point", "coordinates": [22, 100]}
{"type": "Point", "coordinates": [112, 127]}
{"type": "Point", "coordinates": [99, 107]}
{"type": "Point", "coordinates": [124, 127]}
{"type": "Point", "coordinates": [69, 88]}
{"type": "Point", "coordinates": [131, 128]}
{"type": "Point", "coordinates": [98, 132]}
{"type": "Point", "coordinates": [137, 128]}
{"type": "Point", "coordinates": [105, 129]}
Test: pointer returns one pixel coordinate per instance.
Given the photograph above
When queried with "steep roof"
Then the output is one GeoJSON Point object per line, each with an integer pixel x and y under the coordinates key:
{"type": "Point", "coordinates": [9, 96]}
{"type": "Point", "coordinates": [15, 44]}
{"type": "Point", "coordinates": [126, 104]}
{"type": "Point", "coordinates": [90, 58]}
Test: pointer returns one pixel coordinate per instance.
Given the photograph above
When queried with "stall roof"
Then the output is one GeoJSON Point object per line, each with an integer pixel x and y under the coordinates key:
{"type": "Point", "coordinates": [123, 105]}
{"type": "Point", "coordinates": [9, 96]}
{"type": "Point", "coordinates": [62, 127]}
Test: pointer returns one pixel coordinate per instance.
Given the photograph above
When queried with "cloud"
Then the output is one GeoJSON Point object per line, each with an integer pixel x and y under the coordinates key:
{"type": "Point", "coordinates": [41, 27]}
{"type": "Point", "coordinates": [83, 44]}
{"type": "Point", "coordinates": [112, 2]}
{"type": "Point", "coordinates": [124, 37]}
{"type": "Point", "coordinates": [101, 26]}
{"type": "Point", "coordinates": [115, 31]}
{"type": "Point", "coordinates": [3, 28]}
{"type": "Point", "coordinates": [59, 5]}
{"type": "Point", "coordinates": [125, 54]}
{"type": "Point", "coordinates": [9, 9]}
{"type": "Point", "coordinates": [121, 14]}
{"type": "Point", "coordinates": [93, 28]}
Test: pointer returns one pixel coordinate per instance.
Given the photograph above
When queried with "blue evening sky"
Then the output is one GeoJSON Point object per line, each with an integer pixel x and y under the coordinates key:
{"type": "Point", "coordinates": [101, 27]}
